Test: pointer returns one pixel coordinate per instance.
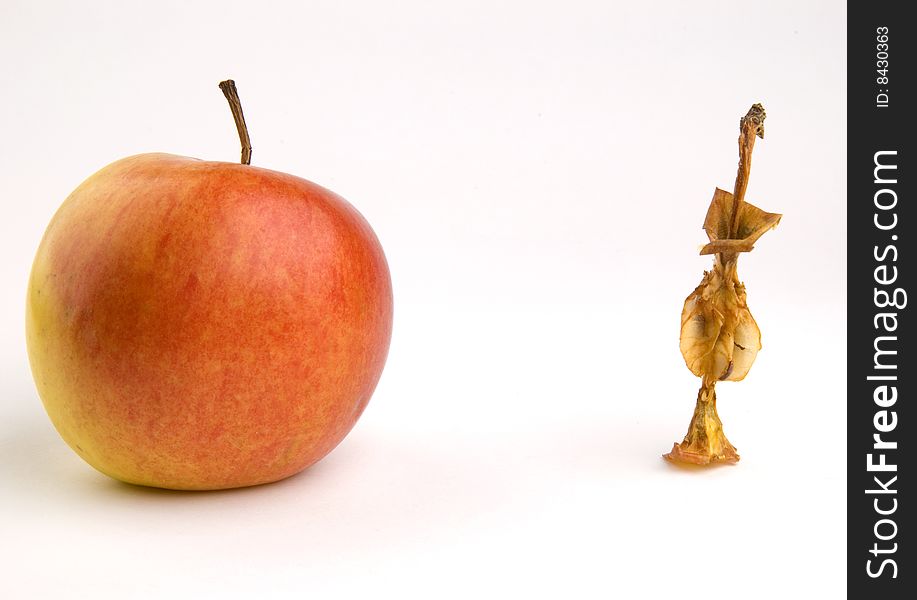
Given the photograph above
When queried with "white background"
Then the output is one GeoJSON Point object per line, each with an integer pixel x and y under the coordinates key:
{"type": "Point", "coordinates": [538, 175]}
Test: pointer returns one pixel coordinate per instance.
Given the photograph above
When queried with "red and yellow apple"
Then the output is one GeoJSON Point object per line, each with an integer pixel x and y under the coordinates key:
{"type": "Point", "coordinates": [206, 325]}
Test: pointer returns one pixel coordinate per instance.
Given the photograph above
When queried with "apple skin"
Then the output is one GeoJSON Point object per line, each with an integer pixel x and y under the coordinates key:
{"type": "Point", "coordinates": [205, 325]}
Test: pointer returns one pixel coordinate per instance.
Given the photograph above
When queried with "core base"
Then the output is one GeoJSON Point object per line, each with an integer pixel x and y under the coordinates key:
{"type": "Point", "coordinates": [705, 442]}
{"type": "Point", "coordinates": [682, 453]}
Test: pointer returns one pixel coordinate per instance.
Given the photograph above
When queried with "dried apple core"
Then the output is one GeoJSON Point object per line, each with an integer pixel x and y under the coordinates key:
{"type": "Point", "coordinates": [719, 336]}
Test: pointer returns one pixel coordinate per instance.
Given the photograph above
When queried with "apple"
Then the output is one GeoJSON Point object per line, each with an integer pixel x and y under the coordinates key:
{"type": "Point", "coordinates": [206, 325]}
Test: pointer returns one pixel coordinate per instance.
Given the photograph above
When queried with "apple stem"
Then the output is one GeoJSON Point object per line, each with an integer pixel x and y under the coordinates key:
{"type": "Point", "coordinates": [232, 96]}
